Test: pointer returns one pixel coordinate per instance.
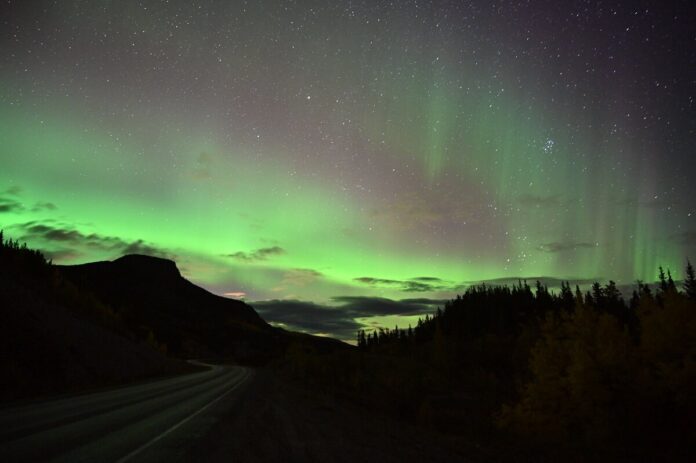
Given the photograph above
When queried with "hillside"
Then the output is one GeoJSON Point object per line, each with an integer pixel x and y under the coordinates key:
{"type": "Point", "coordinates": [68, 328]}
{"type": "Point", "coordinates": [150, 295]}
{"type": "Point", "coordinates": [533, 375]}
{"type": "Point", "coordinates": [55, 339]}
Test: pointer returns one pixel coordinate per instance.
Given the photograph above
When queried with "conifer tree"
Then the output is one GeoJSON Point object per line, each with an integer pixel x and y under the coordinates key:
{"type": "Point", "coordinates": [670, 282]}
{"type": "Point", "coordinates": [690, 281]}
{"type": "Point", "coordinates": [578, 295]}
{"type": "Point", "coordinates": [362, 341]}
{"type": "Point", "coordinates": [663, 280]}
{"type": "Point", "coordinates": [567, 296]}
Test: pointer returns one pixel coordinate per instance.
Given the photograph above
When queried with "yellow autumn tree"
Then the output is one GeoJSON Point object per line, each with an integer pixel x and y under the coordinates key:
{"type": "Point", "coordinates": [593, 382]}
{"type": "Point", "coordinates": [668, 354]}
{"type": "Point", "coordinates": [580, 368]}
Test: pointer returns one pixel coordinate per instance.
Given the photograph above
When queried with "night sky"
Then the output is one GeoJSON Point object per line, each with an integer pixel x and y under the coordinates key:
{"type": "Point", "coordinates": [353, 163]}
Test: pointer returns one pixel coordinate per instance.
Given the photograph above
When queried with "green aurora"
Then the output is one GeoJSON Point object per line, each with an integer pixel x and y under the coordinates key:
{"type": "Point", "coordinates": [413, 174]}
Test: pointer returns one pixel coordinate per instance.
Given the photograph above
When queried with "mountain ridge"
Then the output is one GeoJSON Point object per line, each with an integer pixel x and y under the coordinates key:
{"type": "Point", "coordinates": [70, 328]}
{"type": "Point", "coordinates": [151, 295]}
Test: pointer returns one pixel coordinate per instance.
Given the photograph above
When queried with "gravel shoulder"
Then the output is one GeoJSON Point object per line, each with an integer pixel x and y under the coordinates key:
{"type": "Point", "coordinates": [275, 421]}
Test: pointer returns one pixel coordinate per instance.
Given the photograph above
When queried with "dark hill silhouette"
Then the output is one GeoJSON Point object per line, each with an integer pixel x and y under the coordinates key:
{"type": "Point", "coordinates": [53, 338]}
{"type": "Point", "coordinates": [150, 294]}
{"type": "Point", "coordinates": [154, 283]}
{"type": "Point", "coordinates": [69, 328]}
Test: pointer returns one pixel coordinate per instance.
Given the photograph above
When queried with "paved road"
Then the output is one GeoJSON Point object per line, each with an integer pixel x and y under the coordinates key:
{"type": "Point", "coordinates": [157, 421]}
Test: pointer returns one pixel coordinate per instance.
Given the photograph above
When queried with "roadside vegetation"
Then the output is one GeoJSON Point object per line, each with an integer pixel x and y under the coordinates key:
{"type": "Point", "coordinates": [531, 374]}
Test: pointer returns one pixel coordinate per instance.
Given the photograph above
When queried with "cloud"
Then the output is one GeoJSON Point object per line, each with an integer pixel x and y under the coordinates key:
{"type": "Point", "coordinates": [44, 206]}
{"type": "Point", "coordinates": [309, 317]}
{"type": "Point", "coordinates": [10, 205]}
{"type": "Point", "coordinates": [541, 201]}
{"type": "Point", "coordinates": [339, 320]}
{"type": "Point", "coordinates": [50, 233]}
{"type": "Point", "coordinates": [257, 255]}
{"type": "Point", "coordinates": [73, 243]}
{"type": "Point", "coordinates": [297, 278]}
{"type": "Point", "coordinates": [414, 285]}
{"type": "Point", "coordinates": [426, 301]}
{"type": "Point", "coordinates": [362, 306]}
{"type": "Point", "coordinates": [560, 246]}
{"type": "Point", "coordinates": [14, 190]}
{"type": "Point", "coordinates": [9, 202]}
{"type": "Point", "coordinates": [427, 279]}
{"type": "Point", "coordinates": [300, 276]}
{"type": "Point", "coordinates": [377, 281]}
{"type": "Point", "coordinates": [140, 247]}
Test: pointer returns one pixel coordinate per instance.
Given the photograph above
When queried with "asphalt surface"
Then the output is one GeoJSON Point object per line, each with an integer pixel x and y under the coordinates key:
{"type": "Point", "coordinates": [156, 421]}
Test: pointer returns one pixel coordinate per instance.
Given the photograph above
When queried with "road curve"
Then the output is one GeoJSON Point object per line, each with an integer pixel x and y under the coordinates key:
{"type": "Point", "coordinates": [156, 421]}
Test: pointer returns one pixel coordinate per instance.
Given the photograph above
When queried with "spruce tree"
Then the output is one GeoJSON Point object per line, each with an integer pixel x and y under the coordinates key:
{"type": "Point", "coordinates": [690, 281]}
{"type": "Point", "coordinates": [670, 282]}
{"type": "Point", "coordinates": [663, 280]}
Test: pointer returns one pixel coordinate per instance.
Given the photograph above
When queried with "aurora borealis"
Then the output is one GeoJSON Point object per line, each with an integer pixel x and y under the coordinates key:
{"type": "Point", "coordinates": [353, 162]}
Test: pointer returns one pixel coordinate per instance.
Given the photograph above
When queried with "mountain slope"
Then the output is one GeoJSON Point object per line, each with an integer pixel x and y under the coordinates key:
{"type": "Point", "coordinates": [55, 339]}
{"type": "Point", "coordinates": [150, 294]}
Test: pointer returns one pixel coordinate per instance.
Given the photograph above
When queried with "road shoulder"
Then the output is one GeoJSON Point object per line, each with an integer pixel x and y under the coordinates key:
{"type": "Point", "coordinates": [275, 421]}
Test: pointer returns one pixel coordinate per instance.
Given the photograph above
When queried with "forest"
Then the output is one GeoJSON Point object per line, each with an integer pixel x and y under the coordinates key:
{"type": "Point", "coordinates": [530, 372]}
{"type": "Point", "coordinates": [516, 373]}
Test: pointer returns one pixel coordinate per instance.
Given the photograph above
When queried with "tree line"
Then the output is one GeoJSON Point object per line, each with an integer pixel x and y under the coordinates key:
{"type": "Point", "coordinates": [585, 371]}
{"type": "Point", "coordinates": [505, 310]}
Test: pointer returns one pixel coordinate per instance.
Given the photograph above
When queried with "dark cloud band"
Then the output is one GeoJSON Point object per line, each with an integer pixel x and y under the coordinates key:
{"type": "Point", "coordinates": [339, 320]}
{"type": "Point", "coordinates": [71, 243]}
{"type": "Point", "coordinates": [256, 255]}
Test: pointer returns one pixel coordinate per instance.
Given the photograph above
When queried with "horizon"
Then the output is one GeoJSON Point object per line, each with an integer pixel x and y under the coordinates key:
{"type": "Point", "coordinates": [352, 164]}
{"type": "Point", "coordinates": [343, 317]}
